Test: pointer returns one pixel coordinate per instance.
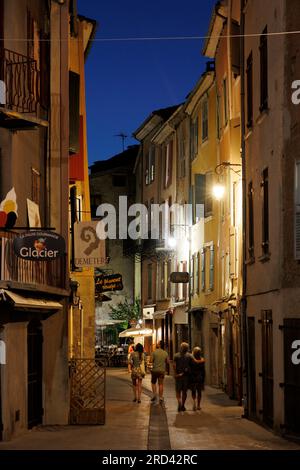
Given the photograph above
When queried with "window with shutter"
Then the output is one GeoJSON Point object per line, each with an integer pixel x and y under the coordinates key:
{"type": "Point", "coordinates": [199, 199]}
{"type": "Point", "coordinates": [297, 211]}
{"type": "Point", "coordinates": [192, 275]}
{"type": "Point", "coordinates": [184, 286]}
{"type": "Point", "coordinates": [249, 75]}
{"type": "Point", "coordinates": [218, 116]}
{"type": "Point", "coordinates": [225, 101]}
{"type": "Point", "coordinates": [264, 70]}
{"type": "Point", "coordinates": [203, 273]}
{"type": "Point", "coordinates": [208, 205]}
{"type": "Point", "coordinates": [265, 211]}
{"type": "Point", "coordinates": [250, 220]}
{"type": "Point", "coordinates": [74, 117]}
{"type": "Point", "coordinates": [232, 252]}
{"type": "Point", "coordinates": [211, 267]}
{"type": "Point", "coordinates": [204, 120]}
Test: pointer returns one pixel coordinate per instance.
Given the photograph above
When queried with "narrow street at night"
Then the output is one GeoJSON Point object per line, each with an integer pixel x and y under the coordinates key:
{"type": "Point", "coordinates": [131, 426]}
{"type": "Point", "coordinates": [150, 232]}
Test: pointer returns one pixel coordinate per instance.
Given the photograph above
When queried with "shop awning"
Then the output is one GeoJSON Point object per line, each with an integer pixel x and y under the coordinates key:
{"type": "Point", "coordinates": [20, 301]}
{"type": "Point", "coordinates": [135, 331]}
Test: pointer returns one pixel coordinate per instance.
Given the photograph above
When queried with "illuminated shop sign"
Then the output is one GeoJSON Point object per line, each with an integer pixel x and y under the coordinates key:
{"type": "Point", "coordinates": [39, 246]}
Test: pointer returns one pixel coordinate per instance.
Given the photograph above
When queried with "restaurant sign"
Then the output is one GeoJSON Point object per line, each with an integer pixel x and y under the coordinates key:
{"type": "Point", "coordinates": [108, 283]}
{"type": "Point", "coordinates": [39, 246]}
{"type": "Point", "coordinates": [180, 277]}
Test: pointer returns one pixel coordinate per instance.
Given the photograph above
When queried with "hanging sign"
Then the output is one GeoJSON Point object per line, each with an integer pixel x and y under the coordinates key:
{"type": "Point", "coordinates": [107, 283]}
{"type": "Point", "coordinates": [39, 246]}
{"type": "Point", "coordinates": [180, 277]}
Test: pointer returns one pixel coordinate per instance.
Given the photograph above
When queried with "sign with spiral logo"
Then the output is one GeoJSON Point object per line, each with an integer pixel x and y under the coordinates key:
{"type": "Point", "coordinates": [89, 249]}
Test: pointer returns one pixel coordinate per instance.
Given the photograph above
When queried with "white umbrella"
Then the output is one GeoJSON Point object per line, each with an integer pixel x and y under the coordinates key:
{"type": "Point", "coordinates": [135, 331]}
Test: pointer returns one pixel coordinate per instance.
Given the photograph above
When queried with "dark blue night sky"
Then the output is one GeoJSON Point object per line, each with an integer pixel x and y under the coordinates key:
{"type": "Point", "coordinates": [125, 81]}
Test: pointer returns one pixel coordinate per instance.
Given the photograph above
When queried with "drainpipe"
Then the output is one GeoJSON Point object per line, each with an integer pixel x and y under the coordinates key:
{"type": "Point", "coordinates": [244, 324]}
{"type": "Point", "coordinates": [190, 239]}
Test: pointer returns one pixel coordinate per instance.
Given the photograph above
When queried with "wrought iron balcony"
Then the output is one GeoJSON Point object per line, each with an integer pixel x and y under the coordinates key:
{"type": "Point", "coordinates": [21, 79]}
{"type": "Point", "coordinates": [42, 273]}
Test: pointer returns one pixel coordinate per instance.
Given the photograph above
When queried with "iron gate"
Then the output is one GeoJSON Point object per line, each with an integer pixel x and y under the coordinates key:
{"type": "Point", "coordinates": [87, 404]}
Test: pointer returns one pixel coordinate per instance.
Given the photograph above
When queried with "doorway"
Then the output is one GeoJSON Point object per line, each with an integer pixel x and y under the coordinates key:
{"type": "Point", "coordinates": [35, 373]}
{"type": "Point", "coordinates": [251, 366]}
{"type": "Point", "coordinates": [267, 367]}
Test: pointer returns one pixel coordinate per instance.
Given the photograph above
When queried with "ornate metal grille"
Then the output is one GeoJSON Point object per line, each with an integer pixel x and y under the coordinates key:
{"type": "Point", "coordinates": [87, 404]}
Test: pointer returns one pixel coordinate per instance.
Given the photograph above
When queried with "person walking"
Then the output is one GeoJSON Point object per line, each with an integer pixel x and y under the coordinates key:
{"type": "Point", "coordinates": [182, 369]}
{"type": "Point", "coordinates": [137, 365]}
{"type": "Point", "coordinates": [159, 360]}
{"type": "Point", "coordinates": [197, 377]}
{"type": "Point", "coordinates": [130, 350]}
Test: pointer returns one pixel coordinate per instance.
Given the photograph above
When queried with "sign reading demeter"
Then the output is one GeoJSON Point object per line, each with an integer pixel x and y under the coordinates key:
{"type": "Point", "coordinates": [89, 249]}
{"type": "Point", "coordinates": [39, 246]}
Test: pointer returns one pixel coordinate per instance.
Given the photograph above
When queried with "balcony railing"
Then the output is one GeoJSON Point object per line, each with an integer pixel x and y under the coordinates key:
{"type": "Point", "coordinates": [44, 273]}
{"type": "Point", "coordinates": [22, 81]}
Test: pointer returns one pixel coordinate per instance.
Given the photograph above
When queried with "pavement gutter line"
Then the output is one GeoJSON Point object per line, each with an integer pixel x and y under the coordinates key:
{"type": "Point", "coordinates": [158, 429]}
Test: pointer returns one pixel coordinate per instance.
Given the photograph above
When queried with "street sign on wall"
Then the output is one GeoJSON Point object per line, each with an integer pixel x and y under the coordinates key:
{"type": "Point", "coordinates": [180, 277]}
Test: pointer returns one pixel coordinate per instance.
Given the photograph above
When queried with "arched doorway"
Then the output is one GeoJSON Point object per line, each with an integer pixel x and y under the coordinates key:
{"type": "Point", "coordinates": [35, 373]}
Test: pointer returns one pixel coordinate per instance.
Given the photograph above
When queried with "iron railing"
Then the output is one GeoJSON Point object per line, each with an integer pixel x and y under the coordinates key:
{"type": "Point", "coordinates": [46, 273]}
{"type": "Point", "coordinates": [22, 81]}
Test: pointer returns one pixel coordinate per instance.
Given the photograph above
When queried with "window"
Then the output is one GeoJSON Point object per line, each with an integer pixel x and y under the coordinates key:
{"type": "Point", "coordinates": [225, 101]}
{"type": "Point", "coordinates": [250, 220]}
{"type": "Point", "coordinates": [74, 117]}
{"type": "Point", "coordinates": [218, 117]}
{"type": "Point", "coordinates": [35, 185]}
{"type": "Point", "coordinates": [265, 211]}
{"type": "Point", "coordinates": [208, 205]}
{"type": "Point", "coordinates": [264, 70]}
{"type": "Point", "coordinates": [297, 211]}
{"type": "Point", "coordinates": [211, 267]}
{"type": "Point", "coordinates": [249, 74]}
{"type": "Point", "coordinates": [119, 180]}
{"type": "Point", "coordinates": [204, 120]}
{"type": "Point", "coordinates": [194, 138]}
{"type": "Point", "coordinates": [149, 282]}
{"type": "Point", "coordinates": [192, 275]}
{"type": "Point", "coordinates": [199, 198]}
{"type": "Point", "coordinates": [162, 280]}
{"type": "Point", "coordinates": [181, 152]}
{"type": "Point", "coordinates": [203, 272]}
{"type": "Point", "coordinates": [196, 274]}
{"type": "Point", "coordinates": [150, 165]}
{"type": "Point", "coordinates": [169, 285]}
{"type": "Point", "coordinates": [168, 163]}
{"type": "Point", "coordinates": [184, 286]}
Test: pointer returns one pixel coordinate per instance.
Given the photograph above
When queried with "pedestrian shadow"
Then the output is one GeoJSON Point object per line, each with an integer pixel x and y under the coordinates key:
{"type": "Point", "coordinates": [195, 420]}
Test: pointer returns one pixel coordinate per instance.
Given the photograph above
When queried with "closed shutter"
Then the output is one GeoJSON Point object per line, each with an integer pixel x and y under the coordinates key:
{"type": "Point", "coordinates": [74, 120]}
{"type": "Point", "coordinates": [211, 267]}
{"type": "Point", "coordinates": [232, 252]}
{"type": "Point", "coordinates": [199, 196]}
{"type": "Point", "coordinates": [297, 211]}
{"type": "Point", "coordinates": [202, 257]}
